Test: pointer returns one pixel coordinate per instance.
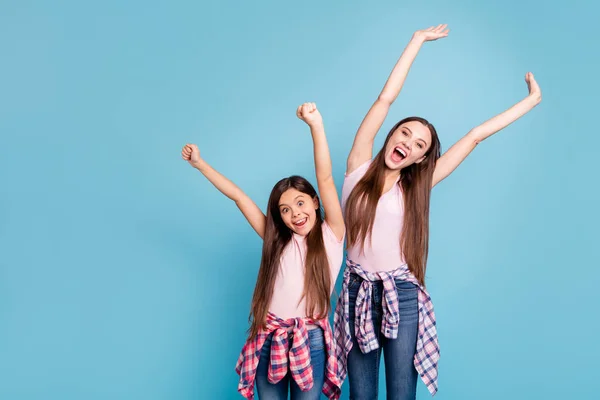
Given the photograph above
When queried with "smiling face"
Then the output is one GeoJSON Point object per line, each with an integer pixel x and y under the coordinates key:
{"type": "Point", "coordinates": [407, 145]}
{"type": "Point", "coordinates": [298, 211]}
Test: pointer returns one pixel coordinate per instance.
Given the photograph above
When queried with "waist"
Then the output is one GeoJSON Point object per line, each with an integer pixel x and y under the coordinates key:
{"type": "Point", "coordinates": [374, 260]}
{"type": "Point", "coordinates": [315, 336]}
{"type": "Point", "coordinates": [289, 324]}
{"type": "Point", "coordinates": [355, 280]}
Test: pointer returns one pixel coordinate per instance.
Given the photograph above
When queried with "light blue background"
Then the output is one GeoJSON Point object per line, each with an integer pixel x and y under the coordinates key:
{"type": "Point", "coordinates": [125, 275]}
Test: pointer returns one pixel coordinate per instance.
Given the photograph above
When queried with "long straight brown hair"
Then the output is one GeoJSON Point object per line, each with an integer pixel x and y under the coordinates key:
{"type": "Point", "coordinates": [317, 277]}
{"type": "Point", "coordinates": [415, 183]}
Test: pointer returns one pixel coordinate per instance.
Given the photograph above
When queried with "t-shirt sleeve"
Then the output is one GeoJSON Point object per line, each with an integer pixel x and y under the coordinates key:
{"type": "Point", "coordinates": [334, 248]}
{"type": "Point", "coordinates": [351, 179]}
{"type": "Point", "coordinates": [330, 238]}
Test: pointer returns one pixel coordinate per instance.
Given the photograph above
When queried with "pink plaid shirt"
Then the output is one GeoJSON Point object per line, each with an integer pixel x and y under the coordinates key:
{"type": "Point", "coordinates": [428, 351]}
{"type": "Point", "coordinates": [296, 354]}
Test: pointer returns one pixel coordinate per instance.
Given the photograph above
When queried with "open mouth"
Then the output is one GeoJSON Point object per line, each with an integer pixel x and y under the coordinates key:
{"type": "Point", "coordinates": [398, 154]}
{"type": "Point", "coordinates": [300, 223]}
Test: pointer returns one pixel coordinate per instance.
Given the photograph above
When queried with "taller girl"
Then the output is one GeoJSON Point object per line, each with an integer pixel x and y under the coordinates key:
{"type": "Point", "coordinates": [384, 304]}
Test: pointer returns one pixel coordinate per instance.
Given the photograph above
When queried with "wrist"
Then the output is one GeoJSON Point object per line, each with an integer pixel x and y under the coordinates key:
{"type": "Point", "coordinates": [199, 165]}
{"type": "Point", "coordinates": [534, 98]}
{"type": "Point", "coordinates": [417, 38]}
{"type": "Point", "coordinates": [316, 125]}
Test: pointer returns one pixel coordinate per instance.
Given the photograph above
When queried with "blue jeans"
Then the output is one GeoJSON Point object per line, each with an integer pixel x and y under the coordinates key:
{"type": "Point", "coordinates": [279, 391]}
{"type": "Point", "coordinates": [400, 373]}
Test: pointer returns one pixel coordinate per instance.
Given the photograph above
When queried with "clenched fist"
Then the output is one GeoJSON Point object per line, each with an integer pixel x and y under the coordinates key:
{"type": "Point", "coordinates": [308, 113]}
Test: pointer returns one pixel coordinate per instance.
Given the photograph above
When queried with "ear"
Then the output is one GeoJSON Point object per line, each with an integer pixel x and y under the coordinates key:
{"type": "Point", "coordinates": [316, 202]}
{"type": "Point", "coordinates": [420, 160]}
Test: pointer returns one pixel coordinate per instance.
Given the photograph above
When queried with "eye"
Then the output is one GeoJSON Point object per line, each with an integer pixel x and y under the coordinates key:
{"type": "Point", "coordinates": [405, 133]}
{"type": "Point", "coordinates": [284, 210]}
{"type": "Point", "coordinates": [420, 145]}
{"type": "Point", "coordinates": [300, 203]}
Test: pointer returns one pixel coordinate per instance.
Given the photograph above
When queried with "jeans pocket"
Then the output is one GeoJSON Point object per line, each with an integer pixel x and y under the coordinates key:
{"type": "Point", "coordinates": [408, 301]}
{"type": "Point", "coordinates": [405, 286]}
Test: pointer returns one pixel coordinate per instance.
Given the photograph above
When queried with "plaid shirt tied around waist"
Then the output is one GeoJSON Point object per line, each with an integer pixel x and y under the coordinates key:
{"type": "Point", "coordinates": [288, 354]}
{"type": "Point", "coordinates": [427, 352]}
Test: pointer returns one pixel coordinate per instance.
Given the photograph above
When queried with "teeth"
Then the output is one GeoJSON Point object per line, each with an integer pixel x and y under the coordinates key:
{"type": "Point", "coordinates": [399, 150]}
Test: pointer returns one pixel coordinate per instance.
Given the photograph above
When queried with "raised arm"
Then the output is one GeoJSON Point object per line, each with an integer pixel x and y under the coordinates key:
{"type": "Point", "coordinates": [461, 149]}
{"type": "Point", "coordinates": [362, 148]}
{"type": "Point", "coordinates": [253, 214]}
{"type": "Point", "coordinates": [331, 204]}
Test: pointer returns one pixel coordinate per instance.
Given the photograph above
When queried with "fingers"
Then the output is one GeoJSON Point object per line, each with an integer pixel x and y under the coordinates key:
{"type": "Point", "coordinates": [305, 109]}
{"type": "Point", "coordinates": [301, 111]}
{"type": "Point", "coordinates": [435, 32]}
{"type": "Point", "coordinates": [442, 30]}
{"type": "Point", "coordinates": [530, 81]}
{"type": "Point", "coordinates": [188, 149]}
{"type": "Point", "coordinates": [533, 87]}
{"type": "Point", "coordinates": [185, 152]}
{"type": "Point", "coordinates": [529, 77]}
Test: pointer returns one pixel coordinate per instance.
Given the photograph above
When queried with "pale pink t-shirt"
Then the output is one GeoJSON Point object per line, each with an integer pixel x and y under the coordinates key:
{"type": "Point", "coordinates": [289, 284]}
{"type": "Point", "coordinates": [382, 250]}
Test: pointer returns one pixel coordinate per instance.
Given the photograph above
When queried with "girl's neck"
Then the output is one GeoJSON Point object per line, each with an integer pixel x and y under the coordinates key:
{"type": "Point", "coordinates": [391, 178]}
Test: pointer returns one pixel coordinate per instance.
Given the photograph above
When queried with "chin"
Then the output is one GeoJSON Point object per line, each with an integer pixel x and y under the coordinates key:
{"type": "Point", "coordinates": [393, 166]}
{"type": "Point", "coordinates": [305, 230]}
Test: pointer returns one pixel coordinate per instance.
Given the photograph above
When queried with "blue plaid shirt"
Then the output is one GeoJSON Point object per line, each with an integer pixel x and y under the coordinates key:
{"type": "Point", "coordinates": [427, 352]}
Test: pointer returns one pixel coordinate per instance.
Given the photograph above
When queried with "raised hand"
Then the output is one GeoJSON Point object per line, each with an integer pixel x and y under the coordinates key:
{"type": "Point", "coordinates": [534, 89]}
{"type": "Point", "coordinates": [191, 154]}
{"type": "Point", "coordinates": [432, 33]}
{"type": "Point", "coordinates": [308, 113]}
{"type": "Point", "coordinates": [450, 160]}
{"type": "Point", "coordinates": [253, 214]}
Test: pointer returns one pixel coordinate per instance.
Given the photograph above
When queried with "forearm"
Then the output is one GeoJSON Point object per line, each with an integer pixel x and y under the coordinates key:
{"type": "Point", "coordinates": [461, 149]}
{"type": "Point", "coordinates": [323, 169]}
{"type": "Point", "coordinates": [396, 80]}
{"type": "Point", "coordinates": [219, 181]}
{"type": "Point", "coordinates": [325, 181]}
{"type": "Point", "coordinates": [504, 119]}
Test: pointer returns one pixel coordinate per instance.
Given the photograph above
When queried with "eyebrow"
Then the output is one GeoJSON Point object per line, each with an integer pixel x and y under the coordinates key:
{"type": "Point", "coordinates": [294, 200]}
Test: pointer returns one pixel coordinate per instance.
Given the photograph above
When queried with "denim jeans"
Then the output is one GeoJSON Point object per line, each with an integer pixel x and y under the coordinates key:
{"type": "Point", "coordinates": [279, 391]}
{"type": "Point", "coordinates": [400, 373]}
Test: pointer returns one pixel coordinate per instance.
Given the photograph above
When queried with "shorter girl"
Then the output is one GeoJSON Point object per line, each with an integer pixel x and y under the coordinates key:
{"type": "Point", "coordinates": [290, 342]}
